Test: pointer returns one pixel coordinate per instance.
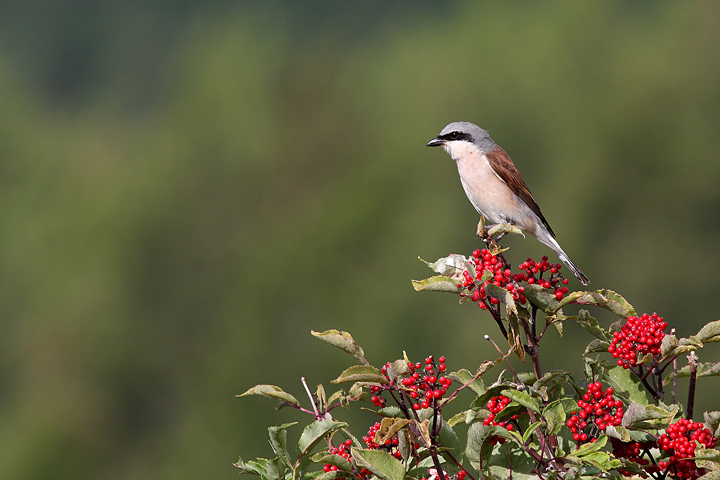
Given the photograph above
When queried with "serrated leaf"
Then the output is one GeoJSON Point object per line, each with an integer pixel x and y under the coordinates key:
{"type": "Point", "coordinates": [710, 332]}
{"type": "Point", "coordinates": [361, 373]}
{"type": "Point", "coordinates": [464, 377]}
{"type": "Point", "coordinates": [504, 228]}
{"type": "Point", "coordinates": [603, 298]}
{"type": "Point", "coordinates": [549, 376]}
{"type": "Point", "coordinates": [554, 414]}
{"type": "Point", "coordinates": [596, 346]}
{"type": "Point", "coordinates": [438, 283]}
{"type": "Point", "coordinates": [478, 434]}
{"type": "Point", "coordinates": [703, 370]}
{"type": "Point", "coordinates": [591, 325]}
{"type": "Point", "coordinates": [504, 296]}
{"type": "Point", "coordinates": [335, 397]}
{"type": "Point", "coordinates": [315, 432]}
{"type": "Point", "coordinates": [326, 457]}
{"type": "Point", "coordinates": [278, 442]}
{"type": "Point", "coordinates": [379, 462]}
{"type": "Point", "coordinates": [254, 467]}
{"type": "Point", "coordinates": [447, 436]}
{"type": "Point", "coordinates": [451, 266]}
{"type": "Point", "coordinates": [344, 341]}
{"type": "Point", "coordinates": [640, 417]}
{"type": "Point", "coordinates": [619, 432]}
{"type": "Point", "coordinates": [271, 391]}
{"type": "Point", "coordinates": [397, 368]}
{"type": "Point", "coordinates": [523, 399]}
{"type": "Point", "coordinates": [622, 380]}
{"type": "Point", "coordinates": [510, 463]}
{"type": "Point", "coordinates": [541, 298]}
{"type": "Point", "coordinates": [529, 431]}
{"type": "Point", "coordinates": [390, 411]}
{"type": "Point", "coordinates": [388, 428]}
{"type": "Point", "coordinates": [712, 422]}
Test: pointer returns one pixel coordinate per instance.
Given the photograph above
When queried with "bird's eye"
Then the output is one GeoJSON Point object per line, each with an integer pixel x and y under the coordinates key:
{"type": "Point", "coordinates": [454, 135]}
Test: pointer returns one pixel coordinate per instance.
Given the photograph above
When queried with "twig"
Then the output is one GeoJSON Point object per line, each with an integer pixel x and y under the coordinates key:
{"type": "Point", "coordinates": [517, 379]}
{"type": "Point", "coordinates": [692, 362]}
{"type": "Point", "coordinates": [312, 400]}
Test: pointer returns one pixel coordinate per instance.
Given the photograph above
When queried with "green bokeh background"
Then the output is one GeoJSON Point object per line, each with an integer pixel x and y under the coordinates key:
{"type": "Point", "coordinates": [188, 188]}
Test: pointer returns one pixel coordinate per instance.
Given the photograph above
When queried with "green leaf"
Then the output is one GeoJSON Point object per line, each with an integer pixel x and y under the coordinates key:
{"type": "Point", "coordinates": [671, 347]}
{"type": "Point", "coordinates": [438, 283]}
{"type": "Point", "coordinates": [510, 463]}
{"type": "Point", "coordinates": [712, 422]}
{"type": "Point", "coordinates": [271, 391]}
{"type": "Point", "coordinates": [388, 428]}
{"type": "Point", "coordinates": [344, 341]}
{"type": "Point", "coordinates": [549, 376]}
{"type": "Point", "coordinates": [554, 414]}
{"type": "Point", "coordinates": [703, 370]}
{"type": "Point", "coordinates": [379, 462]}
{"type": "Point", "coordinates": [639, 417]}
{"type": "Point", "coordinates": [710, 332]}
{"type": "Point", "coordinates": [591, 325]}
{"type": "Point", "coordinates": [361, 373]}
{"type": "Point", "coordinates": [389, 411]}
{"type": "Point", "coordinates": [523, 399]}
{"type": "Point", "coordinates": [451, 266]}
{"type": "Point", "coordinates": [596, 346]}
{"type": "Point", "coordinates": [529, 431]}
{"type": "Point", "coordinates": [397, 368]}
{"type": "Point", "coordinates": [504, 228]}
{"type": "Point", "coordinates": [464, 377]}
{"type": "Point", "coordinates": [326, 457]}
{"type": "Point", "coordinates": [315, 432]}
{"type": "Point", "coordinates": [504, 296]}
{"type": "Point", "coordinates": [331, 475]}
{"type": "Point", "coordinates": [541, 298]}
{"type": "Point", "coordinates": [623, 381]}
{"type": "Point", "coordinates": [602, 298]}
{"type": "Point", "coordinates": [254, 467]}
{"type": "Point", "coordinates": [278, 442]}
{"type": "Point", "coordinates": [447, 437]}
{"type": "Point", "coordinates": [478, 435]}
{"type": "Point", "coordinates": [707, 454]}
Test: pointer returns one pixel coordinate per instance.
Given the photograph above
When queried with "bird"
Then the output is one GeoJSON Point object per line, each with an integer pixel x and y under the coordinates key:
{"type": "Point", "coordinates": [495, 187]}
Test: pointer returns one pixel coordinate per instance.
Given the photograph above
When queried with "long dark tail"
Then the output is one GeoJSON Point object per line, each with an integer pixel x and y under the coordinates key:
{"type": "Point", "coordinates": [550, 241]}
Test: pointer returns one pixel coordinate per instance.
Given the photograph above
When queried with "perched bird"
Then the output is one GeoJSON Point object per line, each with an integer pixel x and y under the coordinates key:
{"type": "Point", "coordinates": [495, 187]}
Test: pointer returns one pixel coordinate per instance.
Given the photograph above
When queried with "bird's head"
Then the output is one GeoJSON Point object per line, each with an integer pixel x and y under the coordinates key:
{"type": "Point", "coordinates": [460, 138]}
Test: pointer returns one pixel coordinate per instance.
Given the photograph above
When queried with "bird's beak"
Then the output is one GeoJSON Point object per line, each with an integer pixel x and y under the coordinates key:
{"type": "Point", "coordinates": [436, 142]}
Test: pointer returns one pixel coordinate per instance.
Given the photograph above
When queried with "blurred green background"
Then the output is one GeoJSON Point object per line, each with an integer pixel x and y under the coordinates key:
{"type": "Point", "coordinates": [188, 188]}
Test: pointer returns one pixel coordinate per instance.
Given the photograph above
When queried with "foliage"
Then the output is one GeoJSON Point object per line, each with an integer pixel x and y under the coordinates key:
{"type": "Point", "coordinates": [614, 422]}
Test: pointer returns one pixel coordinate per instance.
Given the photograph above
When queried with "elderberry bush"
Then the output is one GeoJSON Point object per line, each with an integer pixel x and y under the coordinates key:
{"type": "Point", "coordinates": [619, 419]}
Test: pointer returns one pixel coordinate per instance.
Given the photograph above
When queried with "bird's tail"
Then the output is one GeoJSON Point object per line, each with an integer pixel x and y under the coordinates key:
{"type": "Point", "coordinates": [550, 241]}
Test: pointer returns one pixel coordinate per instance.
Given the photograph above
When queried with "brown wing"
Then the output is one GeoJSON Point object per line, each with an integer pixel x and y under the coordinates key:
{"type": "Point", "coordinates": [505, 169]}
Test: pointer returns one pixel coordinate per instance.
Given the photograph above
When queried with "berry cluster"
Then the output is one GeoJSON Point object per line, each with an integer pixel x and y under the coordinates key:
{"type": "Point", "coordinates": [390, 445]}
{"type": "Point", "coordinates": [501, 276]}
{"type": "Point", "coordinates": [638, 337]}
{"type": "Point", "coordinates": [429, 386]}
{"type": "Point", "coordinates": [556, 282]}
{"type": "Point", "coordinates": [344, 451]}
{"type": "Point", "coordinates": [679, 442]}
{"type": "Point", "coordinates": [632, 451]}
{"type": "Point", "coordinates": [530, 272]}
{"type": "Point", "coordinates": [598, 410]}
{"type": "Point", "coordinates": [424, 383]}
{"type": "Point", "coordinates": [497, 405]}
